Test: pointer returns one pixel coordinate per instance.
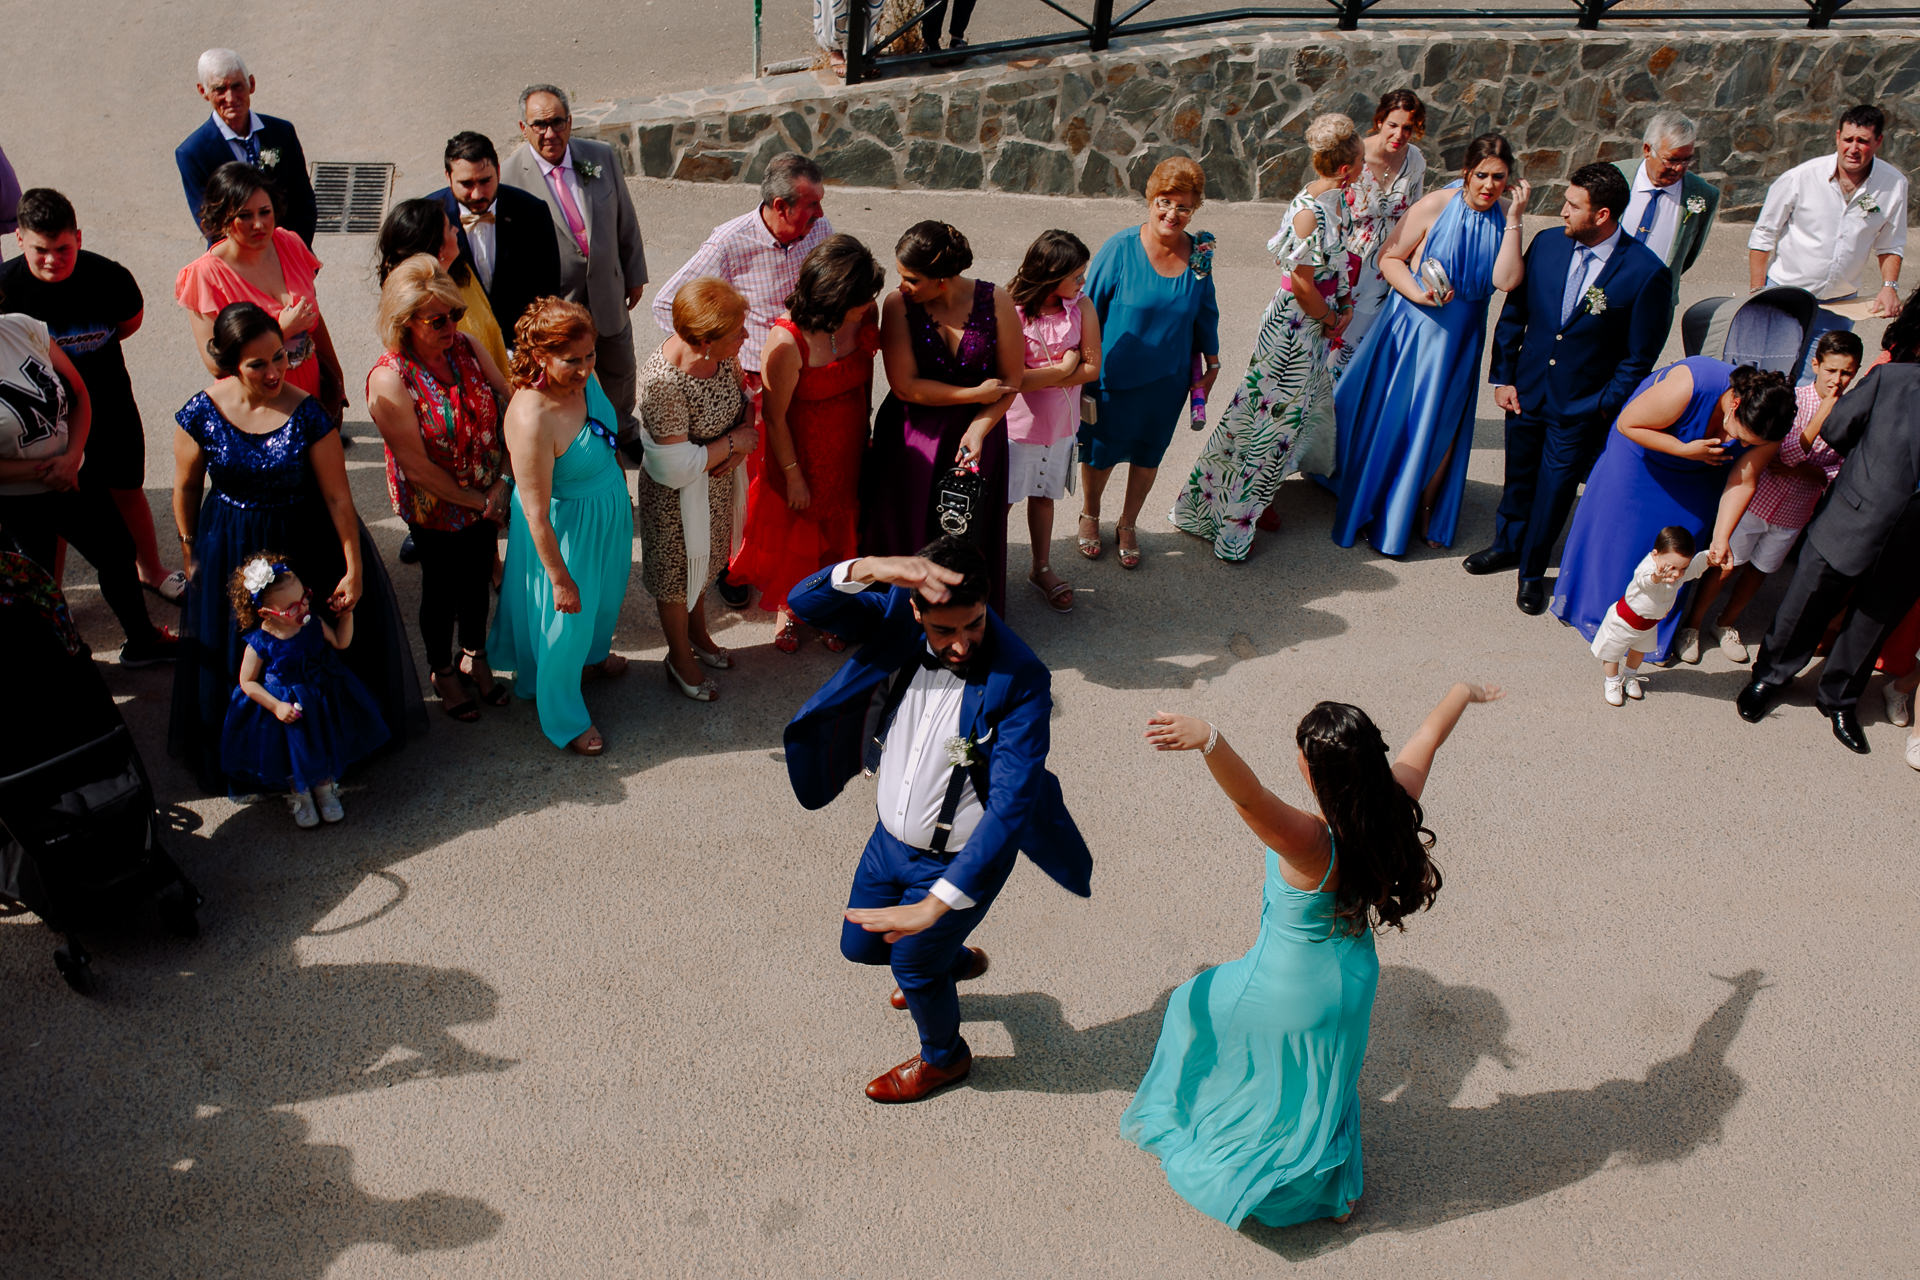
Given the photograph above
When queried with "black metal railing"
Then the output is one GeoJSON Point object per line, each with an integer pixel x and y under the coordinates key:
{"type": "Point", "coordinates": [1100, 30]}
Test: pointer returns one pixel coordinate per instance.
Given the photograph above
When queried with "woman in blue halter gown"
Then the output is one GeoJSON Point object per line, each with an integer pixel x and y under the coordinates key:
{"type": "Point", "coordinates": [1404, 406]}
{"type": "Point", "coordinates": [1252, 1101]}
{"type": "Point", "coordinates": [1687, 449]}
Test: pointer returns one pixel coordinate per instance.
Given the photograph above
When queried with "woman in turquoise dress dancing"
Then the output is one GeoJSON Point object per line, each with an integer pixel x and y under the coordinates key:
{"type": "Point", "coordinates": [1252, 1101]}
{"type": "Point", "coordinates": [1405, 403]}
{"type": "Point", "coordinates": [570, 545]}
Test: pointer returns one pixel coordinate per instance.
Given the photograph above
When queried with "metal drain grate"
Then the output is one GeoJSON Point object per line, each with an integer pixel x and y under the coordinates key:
{"type": "Point", "coordinates": [352, 197]}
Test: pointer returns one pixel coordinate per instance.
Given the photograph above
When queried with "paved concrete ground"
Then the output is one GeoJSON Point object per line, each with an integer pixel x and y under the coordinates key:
{"type": "Point", "coordinates": [527, 1015]}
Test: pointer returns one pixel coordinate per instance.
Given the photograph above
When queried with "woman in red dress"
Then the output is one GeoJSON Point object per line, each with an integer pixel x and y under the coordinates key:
{"type": "Point", "coordinates": [803, 509]}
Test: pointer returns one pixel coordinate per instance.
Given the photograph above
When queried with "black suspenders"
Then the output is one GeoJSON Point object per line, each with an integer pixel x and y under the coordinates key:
{"type": "Point", "coordinates": [956, 781]}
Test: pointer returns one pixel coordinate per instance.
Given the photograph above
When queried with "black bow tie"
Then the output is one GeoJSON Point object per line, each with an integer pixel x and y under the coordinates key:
{"type": "Point", "coordinates": [933, 662]}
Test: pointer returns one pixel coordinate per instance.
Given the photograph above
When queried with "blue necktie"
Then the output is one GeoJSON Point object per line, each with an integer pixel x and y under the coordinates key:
{"type": "Point", "coordinates": [1576, 279]}
{"type": "Point", "coordinates": [252, 144]}
{"type": "Point", "coordinates": [1648, 215]}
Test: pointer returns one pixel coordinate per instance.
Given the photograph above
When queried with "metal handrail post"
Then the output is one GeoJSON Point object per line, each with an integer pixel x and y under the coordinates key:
{"type": "Point", "coordinates": [1823, 13]}
{"type": "Point", "coordinates": [859, 67]}
{"type": "Point", "coordinates": [1591, 11]}
{"type": "Point", "coordinates": [1350, 11]}
{"type": "Point", "coordinates": [1102, 25]}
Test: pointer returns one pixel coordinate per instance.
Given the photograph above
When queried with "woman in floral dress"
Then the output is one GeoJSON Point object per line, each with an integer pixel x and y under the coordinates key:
{"type": "Point", "coordinates": [1286, 398]}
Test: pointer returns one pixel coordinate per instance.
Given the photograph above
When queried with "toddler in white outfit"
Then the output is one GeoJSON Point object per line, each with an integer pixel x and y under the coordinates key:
{"type": "Point", "coordinates": [1628, 629]}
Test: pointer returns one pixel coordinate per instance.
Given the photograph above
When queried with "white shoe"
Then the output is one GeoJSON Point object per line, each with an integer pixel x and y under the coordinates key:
{"type": "Point", "coordinates": [1616, 692]}
{"type": "Point", "coordinates": [1913, 753]}
{"type": "Point", "coordinates": [327, 797]}
{"type": "Point", "coordinates": [301, 804]}
{"type": "Point", "coordinates": [1634, 687]}
{"type": "Point", "coordinates": [1689, 646]}
{"type": "Point", "coordinates": [1732, 647]}
{"type": "Point", "coordinates": [1899, 705]}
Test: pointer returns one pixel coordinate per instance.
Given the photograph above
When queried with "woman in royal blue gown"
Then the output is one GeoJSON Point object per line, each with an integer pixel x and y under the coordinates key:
{"type": "Point", "coordinates": [1252, 1101]}
{"type": "Point", "coordinates": [1405, 403]}
{"type": "Point", "coordinates": [1687, 449]}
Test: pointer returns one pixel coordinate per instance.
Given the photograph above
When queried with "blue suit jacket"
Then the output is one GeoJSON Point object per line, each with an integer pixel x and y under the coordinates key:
{"type": "Point", "coordinates": [1584, 372]}
{"type": "Point", "coordinates": [206, 150]}
{"type": "Point", "coordinates": [1006, 713]}
{"type": "Point", "coordinates": [526, 257]}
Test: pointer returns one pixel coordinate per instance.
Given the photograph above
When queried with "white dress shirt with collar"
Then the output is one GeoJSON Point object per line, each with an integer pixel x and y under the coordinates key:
{"type": "Point", "coordinates": [1666, 213]}
{"type": "Point", "coordinates": [911, 783]}
{"type": "Point", "coordinates": [480, 242]}
{"type": "Point", "coordinates": [236, 142]}
{"type": "Point", "coordinates": [570, 176]}
{"type": "Point", "coordinates": [1823, 239]}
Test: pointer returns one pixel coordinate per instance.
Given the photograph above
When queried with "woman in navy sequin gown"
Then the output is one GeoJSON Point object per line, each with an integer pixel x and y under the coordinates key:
{"type": "Point", "coordinates": [277, 479]}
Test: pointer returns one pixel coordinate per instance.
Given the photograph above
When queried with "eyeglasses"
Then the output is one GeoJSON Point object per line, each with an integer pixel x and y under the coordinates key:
{"type": "Point", "coordinates": [438, 323]}
{"type": "Point", "coordinates": [297, 610]}
{"type": "Point", "coordinates": [1163, 205]}
{"type": "Point", "coordinates": [553, 124]}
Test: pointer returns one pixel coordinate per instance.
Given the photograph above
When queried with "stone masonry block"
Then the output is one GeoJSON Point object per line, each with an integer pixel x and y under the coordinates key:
{"type": "Point", "coordinates": [1030, 169]}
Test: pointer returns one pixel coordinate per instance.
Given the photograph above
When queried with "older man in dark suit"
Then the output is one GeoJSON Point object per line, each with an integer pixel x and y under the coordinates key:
{"type": "Point", "coordinates": [1865, 539]}
{"type": "Point", "coordinates": [603, 264]}
{"type": "Point", "coordinates": [236, 132]}
{"type": "Point", "coordinates": [506, 236]}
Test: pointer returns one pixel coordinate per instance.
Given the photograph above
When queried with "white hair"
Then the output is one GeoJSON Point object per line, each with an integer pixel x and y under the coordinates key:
{"type": "Point", "coordinates": [216, 66]}
{"type": "Point", "coordinates": [1670, 130]}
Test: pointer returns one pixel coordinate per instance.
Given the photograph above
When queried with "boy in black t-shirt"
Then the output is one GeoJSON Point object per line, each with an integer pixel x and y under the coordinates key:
{"type": "Point", "coordinates": [89, 304]}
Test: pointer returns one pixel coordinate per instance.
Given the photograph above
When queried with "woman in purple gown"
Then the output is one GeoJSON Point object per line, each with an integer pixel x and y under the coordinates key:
{"type": "Point", "coordinates": [954, 356]}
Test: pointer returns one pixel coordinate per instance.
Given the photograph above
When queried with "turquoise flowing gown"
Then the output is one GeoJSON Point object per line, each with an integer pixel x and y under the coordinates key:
{"type": "Point", "coordinates": [1252, 1102]}
{"type": "Point", "coordinates": [1407, 398]}
{"type": "Point", "coordinates": [545, 649]}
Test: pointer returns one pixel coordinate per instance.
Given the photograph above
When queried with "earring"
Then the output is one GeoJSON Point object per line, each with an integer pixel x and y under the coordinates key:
{"type": "Point", "coordinates": [539, 382]}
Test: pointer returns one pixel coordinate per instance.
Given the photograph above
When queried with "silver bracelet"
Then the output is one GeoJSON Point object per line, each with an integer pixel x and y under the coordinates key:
{"type": "Point", "coordinates": [1213, 740]}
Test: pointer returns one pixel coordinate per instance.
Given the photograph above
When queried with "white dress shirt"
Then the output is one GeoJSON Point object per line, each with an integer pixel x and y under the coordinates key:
{"type": "Point", "coordinates": [237, 142]}
{"type": "Point", "coordinates": [570, 176]}
{"type": "Point", "coordinates": [480, 243]}
{"type": "Point", "coordinates": [1666, 213]}
{"type": "Point", "coordinates": [1823, 238]}
{"type": "Point", "coordinates": [914, 769]}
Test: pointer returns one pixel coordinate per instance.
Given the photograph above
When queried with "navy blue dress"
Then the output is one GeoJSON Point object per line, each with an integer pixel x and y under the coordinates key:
{"type": "Point", "coordinates": [338, 724]}
{"type": "Point", "coordinates": [262, 496]}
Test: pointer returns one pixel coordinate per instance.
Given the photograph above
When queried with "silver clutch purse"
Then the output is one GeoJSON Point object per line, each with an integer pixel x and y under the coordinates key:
{"type": "Point", "coordinates": [1433, 278]}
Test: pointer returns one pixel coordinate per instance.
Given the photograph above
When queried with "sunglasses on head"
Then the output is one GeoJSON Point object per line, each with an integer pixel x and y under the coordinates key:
{"type": "Point", "coordinates": [440, 322]}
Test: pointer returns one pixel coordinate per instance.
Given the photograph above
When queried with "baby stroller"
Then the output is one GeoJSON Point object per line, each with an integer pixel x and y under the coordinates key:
{"type": "Point", "coordinates": [1769, 329]}
{"type": "Point", "coordinates": [80, 841]}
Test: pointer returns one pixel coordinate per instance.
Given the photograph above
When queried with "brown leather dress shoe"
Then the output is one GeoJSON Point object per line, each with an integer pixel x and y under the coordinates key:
{"type": "Point", "coordinates": [975, 967]}
{"type": "Point", "coordinates": [914, 1079]}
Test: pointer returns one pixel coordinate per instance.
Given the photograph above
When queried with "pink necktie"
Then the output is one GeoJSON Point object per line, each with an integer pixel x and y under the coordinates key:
{"type": "Point", "coordinates": [575, 223]}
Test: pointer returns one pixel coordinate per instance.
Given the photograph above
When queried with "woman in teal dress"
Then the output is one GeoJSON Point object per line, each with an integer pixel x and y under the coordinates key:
{"type": "Point", "coordinates": [1405, 403]}
{"type": "Point", "coordinates": [1286, 399]}
{"type": "Point", "coordinates": [1252, 1101]}
{"type": "Point", "coordinates": [570, 544]}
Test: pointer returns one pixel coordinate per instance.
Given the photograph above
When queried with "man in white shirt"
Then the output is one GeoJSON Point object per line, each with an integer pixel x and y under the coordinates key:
{"type": "Point", "coordinates": [506, 236]}
{"type": "Point", "coordinates": [237, 133]}
{"type": "Point", "coordinates": [949, 711]}
{"type": "Point", "coordinates": [1824, 219]}
{"type": "Point", "coordinates": [1670, 208]}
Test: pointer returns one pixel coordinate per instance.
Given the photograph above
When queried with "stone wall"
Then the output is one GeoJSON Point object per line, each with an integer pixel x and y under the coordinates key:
{"type": "Point", "coordinates": [1095, 125]}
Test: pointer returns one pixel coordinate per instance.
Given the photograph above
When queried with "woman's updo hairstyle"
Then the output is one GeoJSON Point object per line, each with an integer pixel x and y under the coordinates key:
{"type": "Point", "coordinates": [227, 192]}
{"type": "Point", "coordinates": [934, 250]}
{"type": "Point", "coordinates": [707, 309]}
{"type": "Point", "coordinates": [1488, 146]}
{"type": "Point", "coordinates": [236, 328]}
{"type": "Point", "coordinates": [1335, 143]}
{"type": "Point", "coordinates": [1402, 100]}
{"type": "Point", "coordinates": [839, 275]}
{"type": "Point", "coordinates": [1767, 406]}
{"type": "Point", "coordinates": [1380, 836]}
{"type": "Point", "coordinates": [547, 325]}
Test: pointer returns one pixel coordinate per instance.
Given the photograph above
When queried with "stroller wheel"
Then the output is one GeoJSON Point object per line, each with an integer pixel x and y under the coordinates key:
{"type": "Point", "coordinates": [76, 966]}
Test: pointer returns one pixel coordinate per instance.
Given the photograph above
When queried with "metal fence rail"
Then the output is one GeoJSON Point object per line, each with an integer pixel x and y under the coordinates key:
{"type": "Point", "coordinates": [1100, 30]}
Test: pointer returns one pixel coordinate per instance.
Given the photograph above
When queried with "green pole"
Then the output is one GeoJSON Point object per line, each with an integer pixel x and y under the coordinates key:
{"type": "Point", "coordinates": [756, 39]}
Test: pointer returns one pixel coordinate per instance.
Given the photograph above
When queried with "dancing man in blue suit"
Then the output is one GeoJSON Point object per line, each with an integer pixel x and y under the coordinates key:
{"type": "Point", "coordinates": [1572, 343]}
{"type": "Point", "coordinates": [236, 132]}
{"type": "Point", "coordinates": [949, 709]}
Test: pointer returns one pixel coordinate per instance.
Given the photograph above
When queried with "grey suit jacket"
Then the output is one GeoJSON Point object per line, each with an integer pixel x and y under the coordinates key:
{"type": "Point", "coordinates": [1691, 235]}
{"type": "Point", "coordinates": [619, 260]}
{"type": "Point", "coordinates": [1876, 427]}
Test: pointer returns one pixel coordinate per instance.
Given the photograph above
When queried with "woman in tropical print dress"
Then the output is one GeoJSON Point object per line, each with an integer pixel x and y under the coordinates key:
{"type": "Point", "coordinates": [1286, 398]}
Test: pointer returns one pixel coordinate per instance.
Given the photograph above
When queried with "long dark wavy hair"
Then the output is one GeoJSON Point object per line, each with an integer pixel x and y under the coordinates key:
{"type": "Point", "coordinates": [1379, 831]}
{"type": "Point", "coordinates": [1050, 259]}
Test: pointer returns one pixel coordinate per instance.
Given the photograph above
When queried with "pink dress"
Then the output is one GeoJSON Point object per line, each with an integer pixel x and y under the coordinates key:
{"type": "Point", "coordinates": [1041, 424]}
{"type": "Point", "coordinates": [207, 284]}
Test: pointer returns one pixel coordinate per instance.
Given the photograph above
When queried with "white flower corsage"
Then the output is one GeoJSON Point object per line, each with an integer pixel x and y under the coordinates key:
{"type": "Point", "coordinates": [257, 576]}
{"type": "Point", "coordinates": [1596, 300]}
{"type": "Point", "coordinates": [587, 169]}
{"type": "Point", "coordinates": [270, 158]}
{"type": "Point", "coordinates": [1696, 204]}
{"type": "Point", "coordinates": [1866, 203]}
{"type": "Point", "coordinates": [963, 752]}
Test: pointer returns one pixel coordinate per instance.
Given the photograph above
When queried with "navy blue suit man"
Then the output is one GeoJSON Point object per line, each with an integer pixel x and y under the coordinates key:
{"type": "Point", "coordinates": [234, 132]}
{"type": "Point", "coordinates": [946, 706]}
{"type": "Point", "coordinates": [1571, 345]}
{"type": "Point", "coordinates": [506, 235]}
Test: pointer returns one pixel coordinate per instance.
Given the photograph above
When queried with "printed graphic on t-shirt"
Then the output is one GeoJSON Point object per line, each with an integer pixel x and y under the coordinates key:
{"type": "Point", "coordinates": [34, 399]}
{"type": "Point", "coordinates": [82, 340]}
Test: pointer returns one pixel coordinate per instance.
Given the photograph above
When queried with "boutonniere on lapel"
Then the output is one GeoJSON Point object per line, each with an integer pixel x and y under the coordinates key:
{"type": "Point", "coordinates": [1200, 257]}
{"type": "Point", "coordinates": [1596, 300]}
{"type": "Point", "coordinates": [270, 158]}
{"type": "Point", "coordinates": [1865, 203]}
{"type": "Point", "coordinates": [587, 170]}
{"type": "Point", "coordinates": [1696, 205]}
{"type": "Point", "coordinates": [963, 752]}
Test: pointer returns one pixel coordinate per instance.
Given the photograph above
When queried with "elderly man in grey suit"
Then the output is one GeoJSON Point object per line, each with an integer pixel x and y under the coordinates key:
{"type": "Point", "coordinates": [1864, 540]}
{"type": "Point", "coordinates": [1671, 208]}
{"type": "Point", "coordinates": [603, 265]}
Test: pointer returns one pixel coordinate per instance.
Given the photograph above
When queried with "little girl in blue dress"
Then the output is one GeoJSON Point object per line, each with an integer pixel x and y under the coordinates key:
{"type": "Point", "coordinates": [298, 716]}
